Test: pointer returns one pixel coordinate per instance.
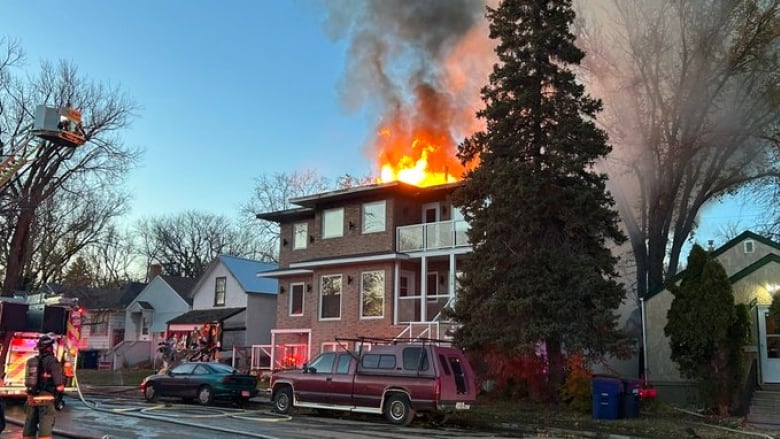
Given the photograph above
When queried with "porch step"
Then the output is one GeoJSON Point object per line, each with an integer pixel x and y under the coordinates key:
{"type": "Point", "coordinates": [765, 409]}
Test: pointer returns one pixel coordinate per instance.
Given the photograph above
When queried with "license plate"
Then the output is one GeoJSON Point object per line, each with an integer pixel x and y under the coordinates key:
{"type": "Point", "coordinates": [462, 406]}
{"type": "Point", "coordinates": [245, 393]}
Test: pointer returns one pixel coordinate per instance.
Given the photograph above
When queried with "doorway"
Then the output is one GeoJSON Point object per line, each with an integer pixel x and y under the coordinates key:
{"type": "Point", "coordinates": [768, 346]}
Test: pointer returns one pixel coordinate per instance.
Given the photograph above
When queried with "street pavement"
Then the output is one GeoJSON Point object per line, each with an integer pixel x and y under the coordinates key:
{"type": "Point", "coordinates": [68, 427]}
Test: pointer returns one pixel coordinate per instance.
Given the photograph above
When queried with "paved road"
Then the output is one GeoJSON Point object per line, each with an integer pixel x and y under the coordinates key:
{"type": "Point", "coordinates": [128, 418]}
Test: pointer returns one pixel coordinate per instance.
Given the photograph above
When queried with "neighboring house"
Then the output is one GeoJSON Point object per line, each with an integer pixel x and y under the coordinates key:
{"type": "Point", "coordinates": [231, 296]}
{"type": "Point", "coordinates": [146, 317]}
{"type": "Point", "coordinates": [103, 316]}
{"type": "Point", "coordinates": [377, 261]}
{"type": "Point", "coordinates": [752, 263]}
{"type": "Point", "coordinates": [103, 321]}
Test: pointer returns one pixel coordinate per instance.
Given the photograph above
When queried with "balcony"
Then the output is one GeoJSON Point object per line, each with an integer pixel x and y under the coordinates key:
{"type": "Point", "coordinates": [432, 236]}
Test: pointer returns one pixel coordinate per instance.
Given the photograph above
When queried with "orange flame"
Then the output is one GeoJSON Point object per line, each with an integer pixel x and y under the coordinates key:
{"type": "Point", "coordinates": [416, 139]}
{"type": "Point", "coordinates": [421, 164]}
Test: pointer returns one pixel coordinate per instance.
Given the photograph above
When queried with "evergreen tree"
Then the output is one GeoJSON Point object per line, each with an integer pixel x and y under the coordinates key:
{"type": "Point", "coordinates": [78, 274]}
{"type": "Point", "coordinates": [706, 331]}
{"type": "Point", "coordinates": [540, 273]}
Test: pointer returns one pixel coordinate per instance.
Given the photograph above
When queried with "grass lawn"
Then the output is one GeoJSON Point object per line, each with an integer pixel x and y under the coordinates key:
{"type": "Point", "coordinates": [121, 377]}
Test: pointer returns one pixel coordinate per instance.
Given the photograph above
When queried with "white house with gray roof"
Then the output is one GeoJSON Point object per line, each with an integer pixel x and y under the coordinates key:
{"type": "Point", "coordinates": [146, 318]}
{"type": "Point", "coordinates": [231, 295]}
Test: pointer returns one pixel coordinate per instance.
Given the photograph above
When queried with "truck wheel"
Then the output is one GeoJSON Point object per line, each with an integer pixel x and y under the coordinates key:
{"type": "Point", "coordinates": [398, 410]}
{"type": "Point", "coordinates": [283, 400]}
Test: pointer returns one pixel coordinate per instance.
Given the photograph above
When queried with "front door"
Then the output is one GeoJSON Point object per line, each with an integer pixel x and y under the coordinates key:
{"type": "Point", "coordinates": [768, 346]}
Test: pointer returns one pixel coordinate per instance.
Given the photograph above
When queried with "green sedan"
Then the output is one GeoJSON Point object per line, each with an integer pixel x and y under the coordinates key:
{"type": "Point", "coordinates": [204, 382]}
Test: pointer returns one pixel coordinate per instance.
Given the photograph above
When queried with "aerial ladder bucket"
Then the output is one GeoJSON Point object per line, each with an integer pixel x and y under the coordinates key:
{"type": "Point", "coordinates": [59, 125]}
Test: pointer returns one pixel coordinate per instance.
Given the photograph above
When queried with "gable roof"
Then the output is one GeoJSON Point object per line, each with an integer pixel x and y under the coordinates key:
{"type": "Point", "coordinates": [130, 292]}
{"type": "Point", "coordinates": [245, 271]}
{"type": "Point", "coordinates": [96, 298]}
{"type": "Point", "coordinates": [205, 315]}
{"type": "Point", "coordinates": [183, 286]}
{"type": "Point", "coordinates": [724, 248]}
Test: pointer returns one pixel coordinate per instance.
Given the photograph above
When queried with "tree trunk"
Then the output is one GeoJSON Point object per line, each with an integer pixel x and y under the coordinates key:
{"type": "Point", "coordinates": [19, 253]}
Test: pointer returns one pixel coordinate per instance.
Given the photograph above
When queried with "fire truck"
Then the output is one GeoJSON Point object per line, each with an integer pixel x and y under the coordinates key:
{"type": "Point", "coordinates": [21, 324]}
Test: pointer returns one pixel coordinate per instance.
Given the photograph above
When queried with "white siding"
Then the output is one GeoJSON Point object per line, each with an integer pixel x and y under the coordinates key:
{"type": "Point", "coordinates": [203, 296]}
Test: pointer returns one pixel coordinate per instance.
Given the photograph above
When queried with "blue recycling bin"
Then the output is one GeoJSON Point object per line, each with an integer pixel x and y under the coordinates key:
{"type": "Point", "coordinates": [606, 397]}
{"type": "Point", "coordinates": [629, 399]}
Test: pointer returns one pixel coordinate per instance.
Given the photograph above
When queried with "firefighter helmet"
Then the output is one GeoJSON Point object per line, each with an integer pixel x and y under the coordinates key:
{"type": "Point", "coordinates": [46, 341]}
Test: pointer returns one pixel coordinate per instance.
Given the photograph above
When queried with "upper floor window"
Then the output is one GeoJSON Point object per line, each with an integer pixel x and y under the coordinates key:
{"type": "Point", "coordinates": [219, 291]}
{"type": "Point", "coordinates": [333, 223]}
{"type": "Point", "coordinates": [372, 294]}
{"type": "Point", "coordinates": [300, 230]}
{"type": "Point", "coordinates": [330, 297]}
{"type": "Point", "coordinates": [296, 299]}
{"type": "Point", "coordinates": [750, 246]}
{"type": "Point", "coordinates": [374, 217]}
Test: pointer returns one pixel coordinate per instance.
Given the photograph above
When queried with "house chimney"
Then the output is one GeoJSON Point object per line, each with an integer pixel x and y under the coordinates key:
{"type": "Point", "coordinates": [154, 271]}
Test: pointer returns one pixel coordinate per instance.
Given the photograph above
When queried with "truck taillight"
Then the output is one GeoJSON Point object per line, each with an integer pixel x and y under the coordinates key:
{"type": "Point", "coordinates": [437, 388]}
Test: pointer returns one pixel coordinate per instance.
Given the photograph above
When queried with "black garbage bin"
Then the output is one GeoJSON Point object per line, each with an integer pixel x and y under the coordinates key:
{"type": "Point", "coordinates": [606, 397]}
{"type": "Point", "coordinates": [629, 399]}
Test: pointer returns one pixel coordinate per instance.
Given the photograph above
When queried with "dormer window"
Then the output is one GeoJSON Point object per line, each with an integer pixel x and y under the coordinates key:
{"type": "Point", "coordinates": [333, 223]}
{"type": "Point", "coordinates": [750, 246]}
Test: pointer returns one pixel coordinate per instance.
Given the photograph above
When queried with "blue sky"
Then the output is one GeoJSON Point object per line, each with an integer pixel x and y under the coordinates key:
{"type": "Point", "coordinates": [230, 90]}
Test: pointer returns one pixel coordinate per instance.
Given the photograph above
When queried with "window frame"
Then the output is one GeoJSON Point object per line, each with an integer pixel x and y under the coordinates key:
{"type": "Point", "coordinates": [328, 213]}
{"type": "Point", "coordinates": [365, 224]}
{"type": "Point", "coordinates": [382, 294]}
{"type": "Point", "coordinates": [291, 289]}
{"type": "Point", "coordinates": [300, 241]}
{"type": "Point", "coordinates": [322, 295]}
{"type": "Point", "coordinates": [98, 320]}
{"type": "Point", "coordinates": [217, 291]}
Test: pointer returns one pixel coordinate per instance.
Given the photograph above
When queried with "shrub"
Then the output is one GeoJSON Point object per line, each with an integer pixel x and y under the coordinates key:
{"type": "Point", "coordinates": [576, 391]}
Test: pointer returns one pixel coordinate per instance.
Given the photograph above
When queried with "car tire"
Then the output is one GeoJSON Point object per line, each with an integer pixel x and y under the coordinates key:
{"type": "Point", "coordinates": [150, 393]}
{"type": "Point", "coordinates": [205, 395]}
{"type": "Point", "coordinates": [398, 410]}
{"type": "Point", "coordinates": [242, 402]}
{"type": "Point", "coordinates": [283, 400]}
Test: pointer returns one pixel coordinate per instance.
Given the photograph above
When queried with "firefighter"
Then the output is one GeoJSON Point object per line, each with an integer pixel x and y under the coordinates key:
{"type": "Point", "coordinates": [42, 390]}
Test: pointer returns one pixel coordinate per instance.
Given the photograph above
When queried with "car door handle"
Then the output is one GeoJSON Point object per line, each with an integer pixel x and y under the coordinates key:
{"type": "Point", "coordinates": [329, 379]}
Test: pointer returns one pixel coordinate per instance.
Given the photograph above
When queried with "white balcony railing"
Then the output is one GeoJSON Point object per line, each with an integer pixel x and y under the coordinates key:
{"type": "Point", "coordinates": [432, 236]}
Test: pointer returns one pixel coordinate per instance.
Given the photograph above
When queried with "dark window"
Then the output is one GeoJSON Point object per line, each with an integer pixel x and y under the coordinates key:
{"type": "Point", "coordinates": [377, 361]}
{"type": "Point", "coordinates": [296, 299]}
{"type": "Point", "coordinates": [415, 358]}
{"type": "Point", "coordinates": [444, 366]}
{"type": "Point", "coordinates": [219, 291]}
{"type": "Point", "coordinates": [460, 376]}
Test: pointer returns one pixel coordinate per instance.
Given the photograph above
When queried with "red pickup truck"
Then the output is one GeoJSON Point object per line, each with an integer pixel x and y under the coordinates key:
{"type": "Point", "coordinates": [397, 381]}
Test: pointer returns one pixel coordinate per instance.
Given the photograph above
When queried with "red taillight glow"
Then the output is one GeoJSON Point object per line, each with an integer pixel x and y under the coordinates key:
{"type": "Point", "coordinates": [228, 380]}
{"type": "Point", "coordinates": [647, 393]}
{"type": "Point", "coordinates": [437, 388]}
